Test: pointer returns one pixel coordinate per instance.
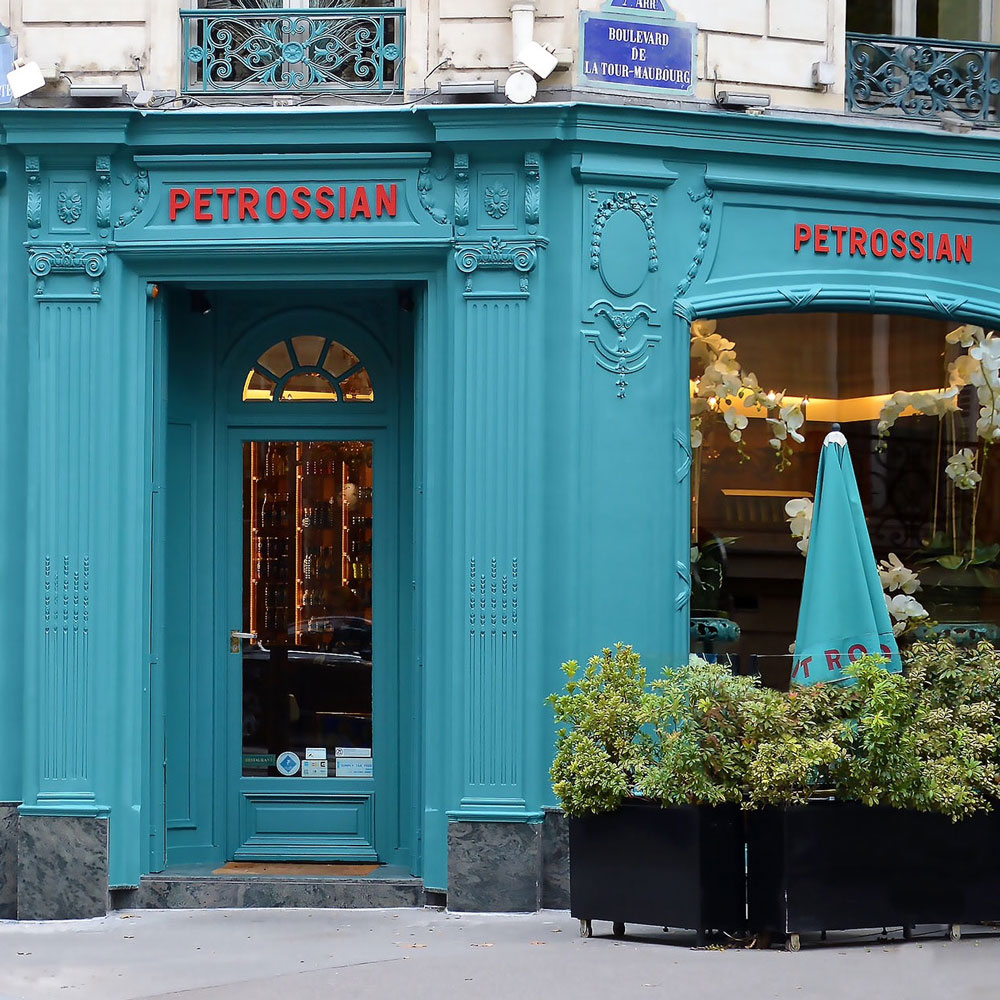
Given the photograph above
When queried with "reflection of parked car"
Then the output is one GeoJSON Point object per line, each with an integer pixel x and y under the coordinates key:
{"type": "Point", "coordinates": [342, 634]}
{"type": "Point", "coordinates": [316, 691]}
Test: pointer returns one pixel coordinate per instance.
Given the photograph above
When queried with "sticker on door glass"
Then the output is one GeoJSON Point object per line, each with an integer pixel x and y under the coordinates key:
{"type": "Point", "coordinates": [288, 763]}
{"type": "Point", "coordinates": [354, 767]}
{"type": "Point", "coordinates": [314, 769]}
{"type": "Point", "coordinates": [354, 751]}
{"type": "Point", "coordinates": [315, 753]}
{"type": "Point", "coordinates": [258, 761]}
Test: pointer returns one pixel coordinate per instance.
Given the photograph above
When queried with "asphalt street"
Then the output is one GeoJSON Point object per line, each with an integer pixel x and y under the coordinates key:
{"type": "Point", "coordinates": [358, 954]}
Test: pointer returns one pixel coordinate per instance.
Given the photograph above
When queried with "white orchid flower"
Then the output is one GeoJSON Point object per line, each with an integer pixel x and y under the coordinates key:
{"type": "Point", "coordinates": [895, 576]}
{"type": "Point", "coordinates": [966, 336]}
{"type": "Point", "coordinates": [904, 610]}
{"type": "Point", "coordinates": [793, 419]}
{"type": "Point", "coordinates": [800, 515]}
{"type": "Point", "coordinates": [961, 469]}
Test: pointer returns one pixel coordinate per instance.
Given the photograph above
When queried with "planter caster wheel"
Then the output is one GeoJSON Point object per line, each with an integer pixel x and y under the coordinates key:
{"type": "Point", "coordinates": [792, 943]}
{"type": "Point", "coordinates": [618, 929]}
{"type": "Point", "coordinates": [586, 929]}
{"type": "Point", "coordinates": [908, 932]}
{"type": "Point", "coordinates": [954, 932]}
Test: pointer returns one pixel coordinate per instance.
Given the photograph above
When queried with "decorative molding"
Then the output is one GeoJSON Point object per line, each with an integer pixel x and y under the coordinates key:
{"type": "Point", "coordinates": [69, 206]}
{"type": "Point", "coordinates": [532, 189]}
{"type": "Point", "coordinates": [616, 171]}
{"type": "Point", "coordinates": [683, 442]}
{"type": "Point", "coordinates": [68, 259]}
{"type": "Point", "coordinates": [683, 595]}
{"type": "Point", "coordinates": [103, 166]}
{"type": "Point", "coordinates": [65, 639]}
{"type": "Point", "coordinates": [622, 360]}
{"type": "Point", "coordinates": [461, 191]}
{"type": "Point", "coordinates": [799, 300]}
{"type": "Point", "coordinates": [141, 180]}
{"type": "Point", "coordinates": [34, 196]}
{"type": "Point", "coordinates": [623, 201]}
{"type": "Point", "coordinates": [706, 197]}
{"type": "Point", "coordinates": [493, 668]}
{"type": "Point", "coordinates": [425, 192]}
{"type": "Point", "coordinates": [623, 319]}
{"type": "Point", "coordinates": [496, 200]}
{"type": "Point", "coordinates": [496, 253]}
{"type": "Point", "coordinates": [843, 297]}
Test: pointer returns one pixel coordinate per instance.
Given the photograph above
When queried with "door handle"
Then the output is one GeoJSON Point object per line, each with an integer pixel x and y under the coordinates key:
{"type": "Point", "coordinates": [236, 640]}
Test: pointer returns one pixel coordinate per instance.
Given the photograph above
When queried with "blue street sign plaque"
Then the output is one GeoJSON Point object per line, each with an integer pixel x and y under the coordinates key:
{"type": "Point", "coordinates": [638, 45]}
{"type": "Point", "coordinates": [6, 65]}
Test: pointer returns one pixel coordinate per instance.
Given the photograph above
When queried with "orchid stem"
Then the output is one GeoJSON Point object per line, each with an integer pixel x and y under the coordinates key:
{"type": "Point", "coordinates": [937, 480]}
{"type": "Point", "coordinates": [978, 497]}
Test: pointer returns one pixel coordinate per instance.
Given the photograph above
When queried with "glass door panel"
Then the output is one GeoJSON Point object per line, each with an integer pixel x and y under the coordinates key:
{"type": "Point", "coordinates": [307, 604]}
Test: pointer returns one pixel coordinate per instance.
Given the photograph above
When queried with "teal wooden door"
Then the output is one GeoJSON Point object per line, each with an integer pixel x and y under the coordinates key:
{"type": "Point", "coordinates": [311, 519]}
{"type": "Point", "coordinates": [290, 739]}
{"type": "Point", "coordinates": [309, 579]}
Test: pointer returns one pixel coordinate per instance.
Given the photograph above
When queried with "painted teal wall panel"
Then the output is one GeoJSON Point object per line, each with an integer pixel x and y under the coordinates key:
{"type": "Point", "coordinates": [13, 462]}
{"type": "Point", "coordinates": [563, 250]}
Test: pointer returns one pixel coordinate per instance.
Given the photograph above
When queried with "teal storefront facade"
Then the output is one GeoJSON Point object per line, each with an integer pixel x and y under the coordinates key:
{"type": "Point", "coordinates": [511, 290]}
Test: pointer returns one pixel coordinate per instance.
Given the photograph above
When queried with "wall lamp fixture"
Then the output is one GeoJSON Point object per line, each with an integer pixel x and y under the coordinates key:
{"type": "Point", "coordinates": [742, 102]}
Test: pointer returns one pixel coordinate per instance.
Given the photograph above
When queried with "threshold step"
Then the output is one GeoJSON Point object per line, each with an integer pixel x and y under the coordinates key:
{"type": "Point", "coordinates": [169, 891]}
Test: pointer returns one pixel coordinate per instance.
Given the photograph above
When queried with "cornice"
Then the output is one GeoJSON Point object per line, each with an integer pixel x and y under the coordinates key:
{"type": "Point", "coordinates": [697, 133]}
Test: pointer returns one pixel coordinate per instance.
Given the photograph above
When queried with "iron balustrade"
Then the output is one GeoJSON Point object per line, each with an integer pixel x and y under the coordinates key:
{"type": "Point", "coordinates": [923, 77]}
{"type": "Point", "coordinates": [284, 51]}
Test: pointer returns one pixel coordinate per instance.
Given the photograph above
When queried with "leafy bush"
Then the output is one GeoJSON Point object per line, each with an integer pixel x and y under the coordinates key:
{"type": "Point", "coordinates": [928, 739]}
{"type": "Point", "coordinates": [603, 754]}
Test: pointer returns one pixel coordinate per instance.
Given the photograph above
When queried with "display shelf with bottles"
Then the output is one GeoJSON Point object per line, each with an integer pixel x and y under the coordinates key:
{"type": "Point", "coordinates": [271, 539]}
{"type": "Point", "coordinates": [311, 540]}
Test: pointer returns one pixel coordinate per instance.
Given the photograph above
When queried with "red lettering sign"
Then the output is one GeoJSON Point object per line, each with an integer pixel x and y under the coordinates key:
{"type": "Point", "coordinates": [355, 203]}
{"type": "Point", "coordinates": [855, 241]}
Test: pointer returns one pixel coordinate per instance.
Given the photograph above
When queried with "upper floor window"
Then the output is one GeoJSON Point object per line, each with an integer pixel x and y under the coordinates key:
{"type": "Point", "coordinates": [962, 20]}
{"type": "Point", "coordinates": [292, 4]}
{"type": "Point", "coordinates": [267, 47]}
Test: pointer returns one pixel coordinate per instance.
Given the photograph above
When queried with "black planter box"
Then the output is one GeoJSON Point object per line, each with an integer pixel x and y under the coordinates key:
{"type": "Point", "coordinates": [833, 865]}
{"type": "Point", "coordinates": [679, 866]}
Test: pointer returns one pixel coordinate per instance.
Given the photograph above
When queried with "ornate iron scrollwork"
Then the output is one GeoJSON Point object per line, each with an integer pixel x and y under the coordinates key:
{"type": "Point", "coordinates": [921, 78]}
{"type": "Point", "coordinates": [267, 52]}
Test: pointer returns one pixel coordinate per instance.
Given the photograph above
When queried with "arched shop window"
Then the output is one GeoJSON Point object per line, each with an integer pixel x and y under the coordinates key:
{"type": "Point", "coordinates": [919, 402]}
{"type": "Point", "coordinates": [308, 369]}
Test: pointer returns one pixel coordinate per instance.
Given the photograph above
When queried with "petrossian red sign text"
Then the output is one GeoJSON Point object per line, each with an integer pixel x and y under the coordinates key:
{"type": "Point", "coordinates": [834, 658]}
{"type": "Point", "coordinates": [241, 204]}
{"type": "Point", "coordinates": [856, 241]}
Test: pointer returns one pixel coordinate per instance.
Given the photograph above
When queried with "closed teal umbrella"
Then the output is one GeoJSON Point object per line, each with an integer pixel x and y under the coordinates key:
{"type": "Point", "coordinates": [843, 615]}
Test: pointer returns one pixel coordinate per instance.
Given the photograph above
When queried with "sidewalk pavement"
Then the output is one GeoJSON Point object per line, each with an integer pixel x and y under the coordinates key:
{"type": "Point", "coordinates": [403, 954]}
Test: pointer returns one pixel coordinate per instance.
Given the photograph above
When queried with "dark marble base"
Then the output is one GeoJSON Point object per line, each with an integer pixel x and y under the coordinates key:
{"type": "Point", "coordinates": [192, 892]}
{"type": "Point", "coordinates": [62, 867]}
{"type": "Point", "coordinates": [555, 861]}
{"type": "Point", "coordinates": [8, 860]}
{"type": "Point", "coordinates": [494, 867]}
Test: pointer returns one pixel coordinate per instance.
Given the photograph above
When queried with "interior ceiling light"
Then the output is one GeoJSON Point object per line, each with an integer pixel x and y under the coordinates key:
{"type": "Point", "coordinates": [200, 303]}
{"type": "Point", "coordinates": [817, 409]}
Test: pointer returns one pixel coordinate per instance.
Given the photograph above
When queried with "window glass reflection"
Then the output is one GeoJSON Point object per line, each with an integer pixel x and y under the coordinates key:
{"type": "Point", "coordinates": [824, 369]}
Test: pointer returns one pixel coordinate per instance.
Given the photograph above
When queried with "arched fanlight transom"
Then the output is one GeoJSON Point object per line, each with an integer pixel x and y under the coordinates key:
{"type": "Point", "coordinates": [308, 369]}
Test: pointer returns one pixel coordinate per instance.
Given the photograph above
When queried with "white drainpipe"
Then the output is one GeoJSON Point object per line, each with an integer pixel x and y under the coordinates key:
{"type": "Point", "coordinates": [522, 21]}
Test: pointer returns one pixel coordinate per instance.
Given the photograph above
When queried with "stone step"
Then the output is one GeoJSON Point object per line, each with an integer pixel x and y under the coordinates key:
{"type": "Point", "coordinates": [180, 892]}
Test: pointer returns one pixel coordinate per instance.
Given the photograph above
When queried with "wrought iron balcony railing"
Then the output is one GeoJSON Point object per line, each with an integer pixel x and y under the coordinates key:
{"type": "Point", "coordinates": [923, 77]}
{"type": "Point", "coordinates": [282, 51]}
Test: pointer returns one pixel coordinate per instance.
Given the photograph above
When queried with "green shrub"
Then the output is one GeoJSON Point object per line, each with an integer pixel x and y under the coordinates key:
{"type": "Point", "coordinates": [602, 753]}
{"type": "Point", "coordinates": [928, 739]}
